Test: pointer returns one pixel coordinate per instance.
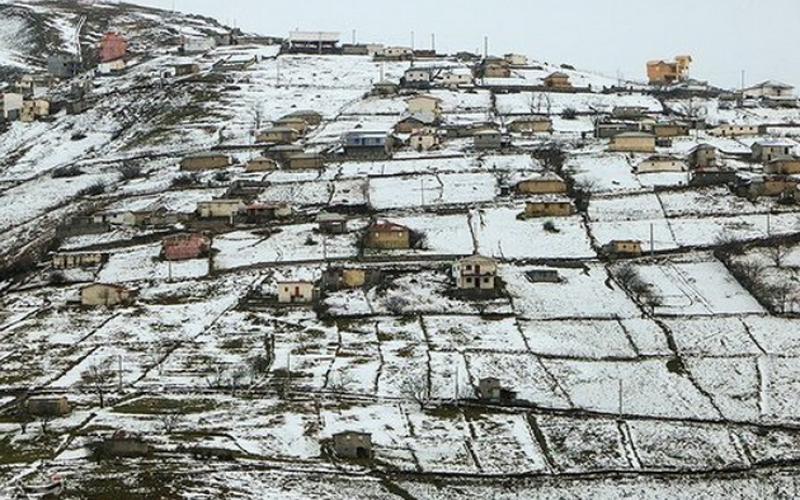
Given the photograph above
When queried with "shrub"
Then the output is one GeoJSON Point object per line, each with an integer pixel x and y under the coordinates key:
{"type": "Point", "coordinates": [70, 171]}
{"type": "Point", "coordinates": [95, 189]}
{"type": "Point", "coordinates": [130, 171]}
{"type": "Point", "coordinates": [222, 176]}
{"type": "Point", "coordinates": [185, 180]}
{"type": "Point", "coordinates": [569, 114]}
{"type": "Point", "coordinates": [550, 227]}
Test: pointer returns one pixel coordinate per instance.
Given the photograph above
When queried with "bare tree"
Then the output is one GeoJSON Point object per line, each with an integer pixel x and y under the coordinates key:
{"type": "Point", "coordinates": [98, 377]}
{"type": "Point", "coordinates": [777, 253]}
{"type": "Point", "coordinates": [415, 387]}
{"type": "Point", "coordinates": [169, 421]}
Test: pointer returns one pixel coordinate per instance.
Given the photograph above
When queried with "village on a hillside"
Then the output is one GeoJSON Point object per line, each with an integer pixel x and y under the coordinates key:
{"type": "Point", "coordinates": [238, 265]}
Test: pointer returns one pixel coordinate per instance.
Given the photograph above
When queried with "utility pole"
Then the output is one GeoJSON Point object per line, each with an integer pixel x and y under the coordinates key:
{"type": "Point", "coordinates": [485, 47]}
{"type": "Point", "coordinates": [354, 37]}
{"type": "Point", "coordinates": [412, 39]}
{"type": "Point", "coordinates": [743, 74]}
{"type": "Point", "coordinates": [119, 371]}
{"type": "Point", "coordinates": [652, 241]}
{"type": "Point", "coordinates": [422, 191]}
{"type": "Point", "coordinates": [433, 42]}
{"type": "Point", "coordinates": [769, 228]}
{"type": "Point", "coordinates": [619, 398]}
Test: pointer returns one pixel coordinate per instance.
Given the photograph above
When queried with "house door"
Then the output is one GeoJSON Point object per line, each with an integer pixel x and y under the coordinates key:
{"type": "Point", "coordinates": [362, 453]}
{"type": "Point", "coordinates": [296, 295]}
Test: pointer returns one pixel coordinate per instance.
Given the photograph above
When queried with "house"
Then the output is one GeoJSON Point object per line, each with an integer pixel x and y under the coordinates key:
{"type": "Point", "coordinates": [353, 445]}
{"type": "Point", "coordinates": [490, 389]}
{"type": "Point", "coordinates": [102, 294]}
{"type": "Point", "coordinates": [70, 260]}
{"type": "Point", "coordinates": [630, 248]}
{"type": "Point", "coordinates": [300, 161]}
{"type": "Point", "coordinates": [115, 66]}
{"type": "Point", "coordinates": [453, 78]}
{"type": "Point", "coordinates": [557, 80]}
{"type": "Point", "coordinates": [713, 176]}
{"type": "Point", "coordinates": [413, 123]}
{"type": "Point", "coordinates": [311, 117]}
{"type": "Point", "coordinates": [768, 89]}
{"type": "Point", "coordinates": [281, 152]}
{"type": "Point", "coordinates": [396, 54]}
{"type": "Point", "coordinates": [385, 88]}
{"type": "Point", "coordinates": [424, 104]}
{"type": "Point", "coordinates": [386, 235]}
{"type": "Point", "coordinates": [186, 69]}
{"type": "Point", "coordinates": [296, 292]}
{"type": "Point", "coordinates": [475, 273]}
{"type": "Point", "coordinates": [548, 209]}
{"type": "Point", "coordinates": [544, 184]}
{"type": "Point", "coordinates": [293, 122]}
{"type": "Point", "coordinates": [12, 104]}
{"type": "Point", "coordinates": [261, 164]}
{"type": "Point", "coordinates": [113, 46]}
{"type": "Point", "coordinates": [367, 143]}
{"type": "Point", "coordinates": [185, 246]}
{"type": "Point", "coordinates": [633, 142]}
{"type": "Point", "coordinates": [63, 66]}
{"type": "Point", "coordinates": [766, 151]}
{"type": "Point", "coordinates": [493, 67]}
{"type": "Point", "coordinates": [208, 160]}
{"type": "Point", "coordinates": [417, 77]}
{"type": "Point", "coordinates": [771, 186]}
{"type": "Point", "coordinates": [312, 42]}
{"type": "Point", "coordinates": [703, 156]}
{"type": "Point", "coordinates": [629, 112]}
{"type": "Point", "coordinates": [666, 73]}
{"type": "Point", "coordinates": [543, 276]}
{"type": "Point", "coordinates": [733, 130]}
{"type": "Point", "coordinates": [278, 135]}
{"type": "Point", "coordinates": [517, 60]}
{"type": "Point", "coordinates": [670, 129]}
{"type": "Point", "coordinates": [531, 125]}
{"type": "Point", "coordinates": [362, 49]}
{"type": "Point", "coordinates": [348, 278]}
{"type": "Point", "coordinates": [33, 109]}
{"type": "Point", "coordinates": [661, 163]}
{"type": "Point", "coordinates": [197, 44]}
{"type": "Point", "coordinates": [331, 223]}
{"type": "Point", "coordinates": [36, 85]}
{"type": "Point", "coordinates": [257, 213]}
{"type": "Point", "coordinates": [220, 208]}
{"type": "Point", "coordinates": [424, 139]}
{"type": "Point", "coordinates": [783, 166]}
{"type": "Point", "coordinates": [56, 406]}
{"type": "Point", "coordinates": [489, 139]}
{"type": "Point", "coordinates": [607, 130]}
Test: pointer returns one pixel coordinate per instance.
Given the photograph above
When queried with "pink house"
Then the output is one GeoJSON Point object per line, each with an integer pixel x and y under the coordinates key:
{"type": "Point", "coordinates": [112, 47]}
{"type": "Point", "coordinates": [185, 246]}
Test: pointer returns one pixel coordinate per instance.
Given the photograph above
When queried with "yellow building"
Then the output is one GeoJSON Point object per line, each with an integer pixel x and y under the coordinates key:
{"type": "Point", "coordinates": [548, 209]}
{"type": "Point", "coordinates": [386, 235]}
{"type": "Point", "coordinates": [663, 72]}
{"type": "Point", "coordinates": [101, 294]}
{"type": "Point", "coordinates": [633, 142]}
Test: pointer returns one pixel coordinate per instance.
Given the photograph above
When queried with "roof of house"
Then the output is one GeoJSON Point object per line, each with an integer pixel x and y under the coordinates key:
{"type": "Point", "coordinates": [314, 36]}
{"type": "Point", "coordinates": [425, 118]}
{"type": "Point", "coordinates": [426, 97]}
{"type": "Point", "coordinates": [773, 143]}
{"type": "Point", "coordinates": [330, 217]}
{"type": "Point", "coordinates": [206, 154]}
{"type": "Point", "coordinates": [642, 135]}
{"type": "Point", "coordinates": [385, 226]}
{"type": "Point", "coordinates": [770, 83]}
{"type": "Point", "coordinates": [557, 74]}
{"type": "Point", "coordinates": [477, 258]}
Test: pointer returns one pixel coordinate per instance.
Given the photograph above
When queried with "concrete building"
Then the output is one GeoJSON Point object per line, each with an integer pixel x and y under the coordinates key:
{"type": "Point", "coordinates": [296, 292]}
{"type": "Point", "coordinates": [186, 69]}
{"type": "Point", "coordinates": [278, 135]}
{"type": "Point", "coordinates": [71, 260]}
{"type": "Point", "coordinates": [185, 246]}
{"type": "Point", "coordinates": [331, 223]}
{"type": "Point", "coordinates": [516, 60]}
{"type": "Point", "coordinates": [534, 209]}
{"type": "Point", "coordinates": [307, 161]}
{"type": "Point", "coordinates": [769, 88]}
{"type": "Point", "coordinates": [197, 45]}
{"type": "Point", "coordinates": [63, 66]}
{"type": "Point", "coordinates": [666, 73]}
{"type": "Point", "coordinates": [312, 42]}
{"type": "Point", "coordinates": [670, 129]}
{"type": "Point", "coordinates": [414, 123]}
{"type": "Point", "coordinates": [489, 139]}
{"type": "Point", "coordinates": [396, 54]}
{"type": "Point", "coordinates": [543, 276]}
{"type": "Point", "coordinates": [417, 77]}
{"type": "Point", "coordinates": [531, 125]}
{"type": "Point", "coordinates": [220, 208]}
{"type": "Point", "coordinates": [633, 142]}
{"type": "Point", "coordinates": [367, 144]}
{"type": "Point", "coordinates": [453, 78]}
{"type": "Point", "coordinates": [353, 445]}
{"type": "Point", "coordinates": [113, 46]}
{"type": "Point", "coordinates": [661, 163]}
{"type": "Point", "coordinates": [387, 236]}
{"type": "Point", "coordinates": [491, 389]}
{"type": "Point", "coordinates": [208, 160]}
{"type": "Point", "coordinates": [703, 156]}
{"type": "Point", "coordinates": [557, 80]}
{"type": "Point", "coordinates": [766, 151]}
{"type": "Point", "coordinates": [12, 104]}
{"type": "Point", "coordinates": [475, 273]}
{"type": "Point", "coordinates": [109, 295]}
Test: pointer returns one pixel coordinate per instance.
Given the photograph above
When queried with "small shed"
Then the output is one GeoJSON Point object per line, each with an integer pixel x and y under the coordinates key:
{"type": "Point", "coordinates": [491, 389]}
{"type": "Point", "coordinates": [103, 294]}
{"type": "Point", "coordinates": [56, 406]}
{"type": "Point", "coordinates": [296, 292]}
{"type": "Point", "coordinates": [353, 445]}
{"type": "Point", "coordinates": [331, 223]}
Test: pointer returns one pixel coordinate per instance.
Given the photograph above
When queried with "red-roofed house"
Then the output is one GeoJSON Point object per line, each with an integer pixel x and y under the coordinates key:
{"type": "Point", "coordinates": [185, 246]}
{"type": "Point", "coordinates": [112, 47]}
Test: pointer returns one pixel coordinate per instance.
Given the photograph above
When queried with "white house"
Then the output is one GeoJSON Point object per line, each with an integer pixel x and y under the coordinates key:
{"type": "Point", "coordinates": [296, 292]}
{"type": "Point", "coordinates": [423, 104]}
{"type": "Point", "coordinates": [417, 76]}
{"type": "Point", "coordinates": [475, 273]}
{"type": "Point", "coordinates": [770, 88]}
{"type": "Point", "coordinates": [11, 102]}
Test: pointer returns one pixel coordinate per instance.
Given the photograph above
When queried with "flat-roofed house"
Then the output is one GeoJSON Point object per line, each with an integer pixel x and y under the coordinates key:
{"type": "Point", "coordinates": [424, 104]}
{"type": "Point", "coordinates": [261, 164]}
{"type": "Point", "coordinates": [633, 142]}
{"type": "Point", "coordinates": [489, 139]}
{"type": "Point", "coordinates": [766, 151]}
{"type": "Point", "coordinates": [517, 60]}
{"type": "Point", "coordinates": [69, 260]}
{"type": "Point", "coordinates": [631, 248]}
{"type": "Point", "coordinates": [783, 166]}
{"type": "Point", "coordinates": [387, 235]}
{"type": "Point", "coordinates": [104, 294]}
{"type": "Point", "coordinates": [353, 445]}
{"type": "Point", "coordinates": [475, 273]}
{"type": "Point", "coordinates": [296, 292]}
{"type": "Point", "coordinates": [313, 118]}
{"type": "Point", "coordinates": [661, 163]}
{"type": "Point", "coordinates": [549, 208]}
{"type": "Point", "coordinates": [220, 208]}
{"type": "Point", "coordinates": [312, 42]}
{"type": "Point", "coordinates": [208, 160]}
{"type": "Point", "coordinates": [769, 88]}
{"type": "Point", "coordinates": [278, 135]}
{"type": "Point", "coordinates": [736, 130]}
{"type": "Point", "coordinates": [301, 161]}
{"type": "Point", "coordinates": [367, 143]}
{"type": "Point", "coordinates": [491, 389]}
{"type": "Point", "coordinates": [531, 125]}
